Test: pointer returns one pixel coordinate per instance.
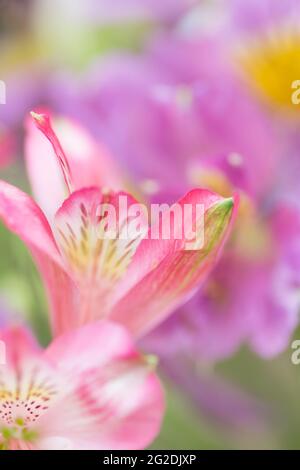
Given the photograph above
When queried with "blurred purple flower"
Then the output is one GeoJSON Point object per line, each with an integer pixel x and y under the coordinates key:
{"type": "Point", "coordinates": [25, 88]}
{"type": "Point", "coordinates": [164, 112]}
{"type": "Point", "coordinates": [253, 301]}
{"type": "Point", "coordinates": [180, 116]}
{"type": "Point", "coordinates": [268, 35]}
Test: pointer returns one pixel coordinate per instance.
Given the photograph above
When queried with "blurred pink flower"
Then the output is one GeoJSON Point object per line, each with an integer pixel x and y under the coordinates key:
{"type": "Point", "coordinates": [138, 281]}
{"type": "Point", "coordinates": [89, 389]}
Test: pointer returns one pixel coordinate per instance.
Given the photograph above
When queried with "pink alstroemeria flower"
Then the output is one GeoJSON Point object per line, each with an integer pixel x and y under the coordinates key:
{"type": "Point", "coordinates": [137, 281]}
{"type": "Point", "coordinates": [90, 389]}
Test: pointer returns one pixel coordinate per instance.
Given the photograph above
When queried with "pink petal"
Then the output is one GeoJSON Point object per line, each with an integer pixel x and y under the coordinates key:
{"type": "Point", "coordinates": [79, 395]}
{"type": "Point", "coordinates": [19, 345]}
{"type": "Point", "coordinates": [43, 170]}
{"type": "Point", "coordinates": [63, 295]}
{"type": "Point", "coordinates": [42, 122]}
{"type": "Point", "coordinates": [95, 262]}
{"type": "Point", "coordinates": [152, 251]}
{"type": "Point", "coordinates": [117, 401]}
{"type": "Point", "coordinates": [90, 164]}
{"type": "Point", "coordinates": [93, 345]}
{"type": "Point", "coordinates": [54, 443]}
{"type": "Point", "coordinates": [164, 275]}
{"type": "Point", "coordinates": [23, 217]}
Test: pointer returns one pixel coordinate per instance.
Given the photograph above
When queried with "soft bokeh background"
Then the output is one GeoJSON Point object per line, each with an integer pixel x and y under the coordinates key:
{"type": "Point", "coordinates": [93, 60]}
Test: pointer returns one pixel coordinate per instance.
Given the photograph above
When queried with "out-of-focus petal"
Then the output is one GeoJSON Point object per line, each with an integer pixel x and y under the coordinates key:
{"type": "Point", "coordinates": [77, 395]}
{"type": "Point", "coordinates": [117, 401]}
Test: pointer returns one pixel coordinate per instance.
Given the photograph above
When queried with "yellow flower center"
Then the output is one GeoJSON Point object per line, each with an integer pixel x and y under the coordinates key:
{"type": "Point", "coordinates": [272, 63]}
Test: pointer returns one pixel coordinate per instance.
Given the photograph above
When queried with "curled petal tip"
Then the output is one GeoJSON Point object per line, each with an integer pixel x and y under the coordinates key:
{"type": "Point", "coordinates": [35, 115]}
{"type": "Point", "coordinates": [227, 203]}
{"type": "Point", "coordinates": [41, 120]}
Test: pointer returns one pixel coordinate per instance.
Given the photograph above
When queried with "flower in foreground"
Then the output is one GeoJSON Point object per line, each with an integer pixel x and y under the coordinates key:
{"type": "Point", "coordinates": [89, 389]}
{"type": "Point", "coordinates": [136, 282]}
{"type": "Point", "coordinates": [7, 147]}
